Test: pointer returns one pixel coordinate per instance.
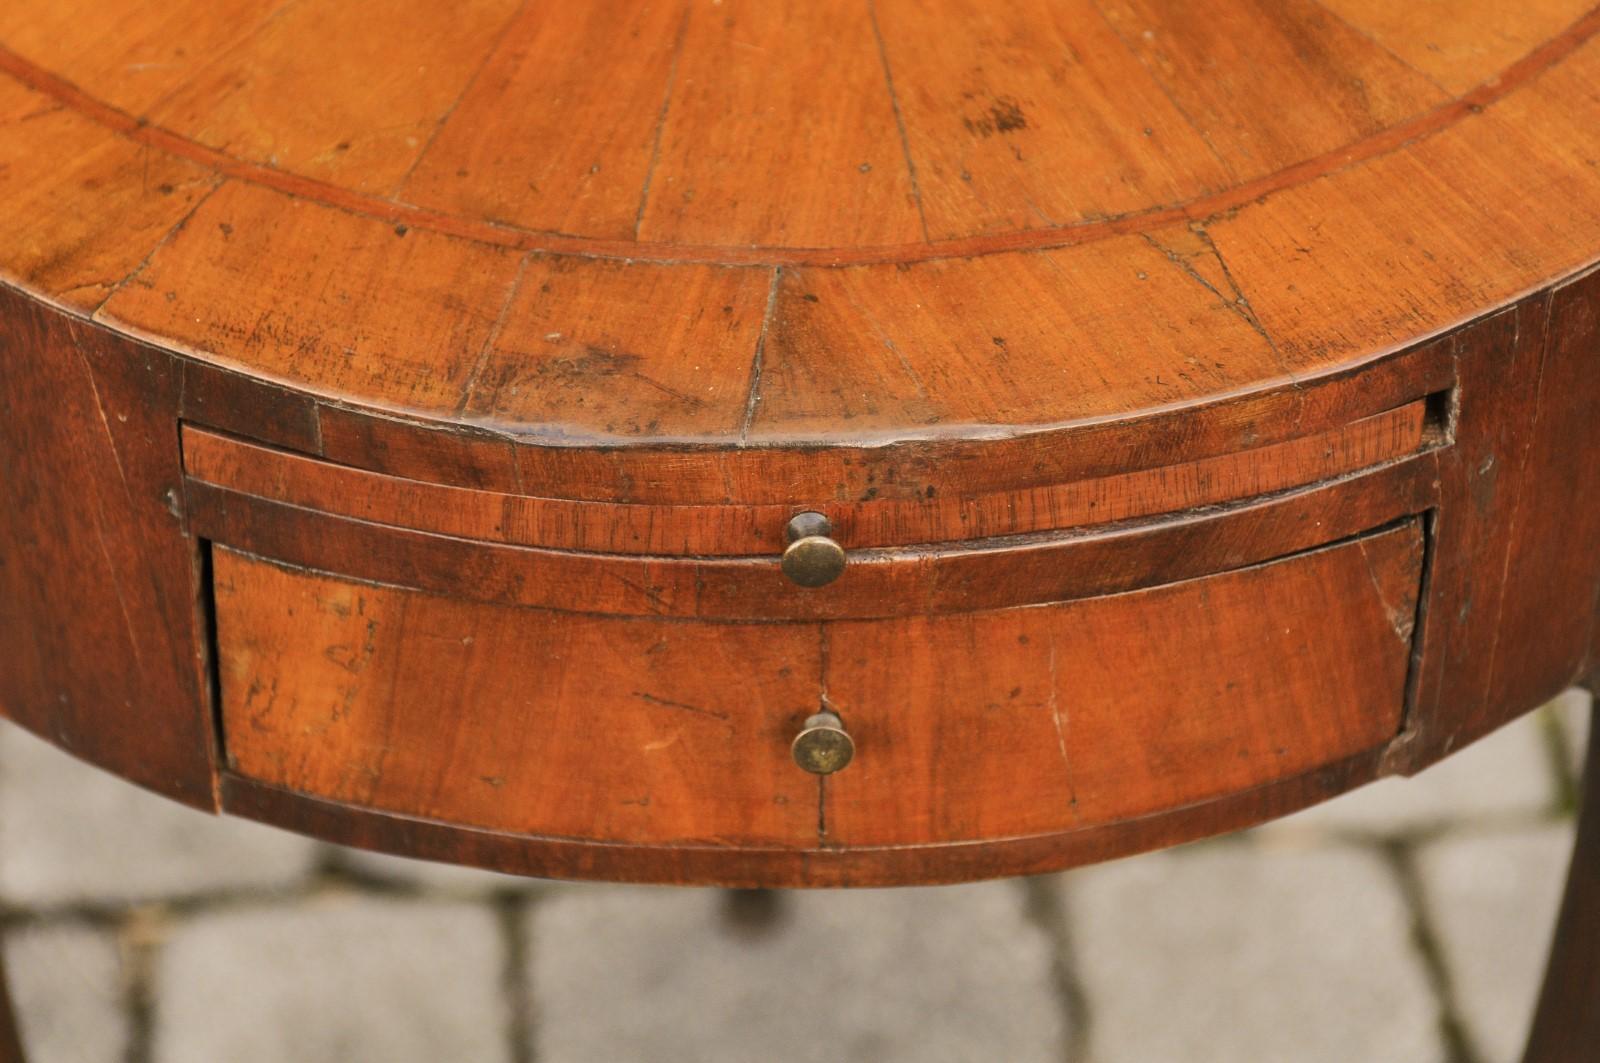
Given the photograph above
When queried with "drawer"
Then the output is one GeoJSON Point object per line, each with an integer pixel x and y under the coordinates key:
{"type": "Point", "coordinates": [641, 730]}
{"type": "Point", "coordinates": [625, 729]}
{"type": "Point", "coordinates": [733, 528]}
{"type": "Point", "coordinates": [1049, 718]}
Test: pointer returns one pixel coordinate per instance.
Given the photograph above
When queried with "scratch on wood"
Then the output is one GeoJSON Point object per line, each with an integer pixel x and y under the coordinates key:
{"type": "Point", "coordinates": [899, 120]}
{"type": "Point", "coordinates": [1233, 300]}
{"type": "Point", "coordinates": [822, 810]}
{"type": "Point", "coordinates": [1242, 306]}
{"type": "Point", "coordinates": [1061, 727]}
{"type": "Point", "coordinates": [1375, 42]}
{"type": "Point", "coordinates": [757, 363]}
{"type": "Point", "coordinates": [1515, 506]}
{"type": "Point", "coordinates": [116, 586]}
{"type": "Point", "coordinates": [1402, 620]}
{"type": "Point", "coordinates": [824, 653]}
{"type": "Point", "coordinates": [668, 703]}
{"type": "Point", "coordinates": [1055, 707]}
{"type": "Point", "coordinates": [681, 396]}
{"type": "Point", "coordinates": [650, 593]}
{"type": "Point", "coordinates": [316, 428]}
{"type": "Point", "coordinates": [178, 227]}
{"type": "Point", "coordinates": [444, 119]}
{"type": "Point", "coordinates": [661, 123]}
{"type": "Point", "coordinates": [1161, 85]}
{"type": "Point", "coordinates": [888, 342]}
{"type": "Point", "coordinates": [100, 524]}
{"type": "Point", "coordinates": [100, 408]}
{"type": "Point", "coordinates": [470, 385]}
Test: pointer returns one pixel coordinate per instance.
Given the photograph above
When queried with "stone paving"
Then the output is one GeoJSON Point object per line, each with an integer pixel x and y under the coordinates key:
{"type": "Point", "coordinates": [1405, 922]}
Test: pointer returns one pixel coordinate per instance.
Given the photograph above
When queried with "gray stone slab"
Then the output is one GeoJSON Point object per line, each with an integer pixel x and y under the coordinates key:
{"type": "Point", "coordinates": [931, 976]}
{"type": "Point", "coordinates": [70, 833]}
{"type": "Point", "coordinates": [66, 983]}
{"type": "Point", "coordinates": [1505, 774]}
{"type": "Point", "coordinates": [345, 978]}
{"type": "Point", "coordinates": [1223, 953]}
{"type": "Point", "coordinates": [1493, 901]}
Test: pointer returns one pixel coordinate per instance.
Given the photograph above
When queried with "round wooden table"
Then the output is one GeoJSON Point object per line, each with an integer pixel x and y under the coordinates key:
{"type": "Point", "coordinates": [775, 444]}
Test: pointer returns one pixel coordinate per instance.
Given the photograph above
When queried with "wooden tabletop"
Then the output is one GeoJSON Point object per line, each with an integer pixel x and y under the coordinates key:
{"type": "Point", "coordinates": [761, 224]}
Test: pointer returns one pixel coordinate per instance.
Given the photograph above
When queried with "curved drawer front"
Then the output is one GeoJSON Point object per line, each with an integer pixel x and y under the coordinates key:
{"type": "Point", "coordinates": [967, 726]}
{"type": "Point", "coordinates": [731, 529]}
{"type": "Point", "coordinates": [1043, 719]}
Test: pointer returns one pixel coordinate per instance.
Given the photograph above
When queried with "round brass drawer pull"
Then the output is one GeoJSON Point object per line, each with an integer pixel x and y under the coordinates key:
{"type": "Point", "coordinates": [822, 747]}
{"type": "Point", "coordinates": [811, 558]}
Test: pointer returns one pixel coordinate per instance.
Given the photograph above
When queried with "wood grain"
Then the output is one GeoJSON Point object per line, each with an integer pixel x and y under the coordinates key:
{"type": "Point", "coordinates": [98, 582]}
{"type": "Point", "coordinates": [1289, 183]}
{"type": "Point", "coordinates": [547, 317]}
{"type": "Point", "coordinates": [1231, 71]}
{"type": "Point", "coordinates": [1467, 254]}
{"type": "Point", "coordinates": [851, 470]}
{"type": "Point", "coordinates": [131, 55]}
{"type": "Point", "coordinates": [1459, 43]}
{"type": "Point", "coordinates": [581, 164]}
{"type": "Point", "coordinates": [47, 156]}
{"type": "Point", "coordinates": [585, 343]}
{"type": "Point", "coordinates": [1032, 721]}
{"type": "Point", "coordinates": [338, 91]}
{"type": "Point", "coordinates": [1548, 615]}
{"type": "Point", "coordinates": [763, 867]}
{"type": "Point", "coordinates": [741, 117]}
{"type": "Point", "coordinates": [685, 728]}
{"type": "Point", "coordinates": [876, 582]}
{"type": "Point", "coordinates": [1034, 114]}
{"type": "Point", "coordinates": [279, 271]}
{"type": "Point", "coordinates": [1481, 477]}
{"type": "Point", "coordinates": [888, 351]}
{"type": "Point", "coordinates": [617, 730]}
{"type": "Point", "coordinates": [492, 516]}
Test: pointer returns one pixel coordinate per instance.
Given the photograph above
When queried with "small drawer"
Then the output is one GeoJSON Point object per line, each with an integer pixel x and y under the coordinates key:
{"type": "Point", "coordinates": [639, 730]}
{"type": "Point", "coordinates": [533, 721]}
{"type": "Point", "coordinates": [1046, 719]}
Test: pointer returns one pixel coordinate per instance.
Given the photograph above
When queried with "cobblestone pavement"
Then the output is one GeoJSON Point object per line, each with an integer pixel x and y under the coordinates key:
{"type": "Point", "coordinates": [1405, 922]}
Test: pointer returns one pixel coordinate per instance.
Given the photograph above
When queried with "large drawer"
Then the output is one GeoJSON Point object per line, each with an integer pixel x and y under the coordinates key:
{"type": "Point", "coordinates": [644, 730]}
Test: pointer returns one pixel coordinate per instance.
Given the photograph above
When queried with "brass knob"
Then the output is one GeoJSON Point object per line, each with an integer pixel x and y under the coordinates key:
{"type": "Point", "coordinates": [811, 558]}
{"type": "Point", "coordinates": [822, 747]}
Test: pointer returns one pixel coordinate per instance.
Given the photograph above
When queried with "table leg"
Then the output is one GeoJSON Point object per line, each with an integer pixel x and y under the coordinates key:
{"type": "Point", "coordinates": [1566, 1025]}
{"type": "Point", "coordinates": [752, 912]}
{"type": "Point", "coordinates": [10, 1042]}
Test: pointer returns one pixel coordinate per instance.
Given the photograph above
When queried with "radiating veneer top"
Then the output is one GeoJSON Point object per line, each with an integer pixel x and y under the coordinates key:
{"type": "Point", "coordinates": [744, 224]}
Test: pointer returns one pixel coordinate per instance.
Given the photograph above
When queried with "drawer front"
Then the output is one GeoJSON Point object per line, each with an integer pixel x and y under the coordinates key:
{"type": "Point", "coordinates": [733, 529]}
{"type": "Point", "coordinates": [619, 729]}
{"type": "Point", "coordinates": [1038, 720]}
{"type": "Point", "coordinates": [655, 731]}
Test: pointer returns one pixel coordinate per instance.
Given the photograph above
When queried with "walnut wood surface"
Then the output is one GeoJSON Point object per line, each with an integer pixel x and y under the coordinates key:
{"type": "Point", "coordinates": [757, 867]}
{"type": "Point", "coordinates": [528, 308]}
{"type": "Point", "coordinates": [1039, 720]}
{"type": "Point", "coordinates": [1021, 570]}
{"type": "Point", "coordinates": [617, 729]}
{"type": "Point", "coordinates": [99, 587]}
{"type": "Point", "coordinates": [981, 725]}
{"type": "Point", "coordinates": [284, 476]}
{"type": "Point", "coordinates": [1008, 220]}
